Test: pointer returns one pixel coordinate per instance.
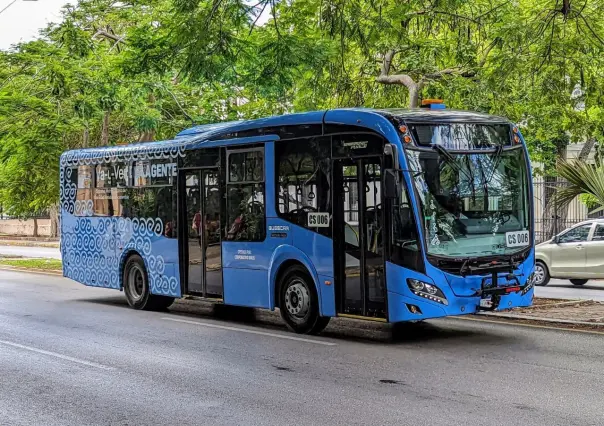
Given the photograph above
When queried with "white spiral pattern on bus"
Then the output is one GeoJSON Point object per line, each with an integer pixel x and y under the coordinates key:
{"type": "Point", "coordinates": [93, 251]}
{"type": "Point", "coordinates": [155, 151]}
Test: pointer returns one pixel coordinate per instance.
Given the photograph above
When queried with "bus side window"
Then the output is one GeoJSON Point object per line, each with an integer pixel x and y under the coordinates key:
{"type": "Point", "coordinates": [405, 243]}
{"type": "Point", "coordinates": [246, 216]}
{"type": "Point", "coordinates": [303, 180]}
{"type": "Point", "coordinates": [83, 203]}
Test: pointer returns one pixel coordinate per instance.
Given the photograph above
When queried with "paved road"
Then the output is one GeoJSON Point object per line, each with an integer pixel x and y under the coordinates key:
{"type": "Point", "coordinates": [563, 289]}
{"type": "Point", "coordinates": [46, 252]}
{"type": "Point", "coordinates": [71, 355]}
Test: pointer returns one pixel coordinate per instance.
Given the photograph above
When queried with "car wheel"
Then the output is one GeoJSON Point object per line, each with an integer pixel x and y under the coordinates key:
{"type": "Point", "coordinates": [578, 282]}
{"type": "Point", "coordinates": [541, 274]}
{"type": "Point", "coordinates": [135, 282]}
{"type": "Point", "coordinates": [299, 303]}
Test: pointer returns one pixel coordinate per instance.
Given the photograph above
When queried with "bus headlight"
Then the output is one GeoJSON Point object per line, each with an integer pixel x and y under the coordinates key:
{"type": "Point", "coordinates": [415, 285]}
{"type": "Point", "coordinates": [428, 291]}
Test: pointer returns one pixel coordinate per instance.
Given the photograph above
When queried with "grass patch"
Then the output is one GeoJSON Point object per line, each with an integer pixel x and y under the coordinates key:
{"type": "Point", "coordinates": [44, 264]}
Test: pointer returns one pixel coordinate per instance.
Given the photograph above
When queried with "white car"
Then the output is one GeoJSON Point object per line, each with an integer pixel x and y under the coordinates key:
{"type": "Point", "coordinates": [576, 254]}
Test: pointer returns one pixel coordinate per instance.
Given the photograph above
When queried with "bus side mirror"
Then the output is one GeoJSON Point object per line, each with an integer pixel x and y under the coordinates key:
{"type": "Point", "coordinates": [391, 183]}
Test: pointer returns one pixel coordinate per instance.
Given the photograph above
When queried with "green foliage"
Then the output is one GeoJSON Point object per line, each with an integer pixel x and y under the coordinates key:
{"type": "Point", "coordinates": [136, 70]}
{"type": "Point", "coordinates": [35, 264]}
{"type": "Point", "coordinates": [585, 181]}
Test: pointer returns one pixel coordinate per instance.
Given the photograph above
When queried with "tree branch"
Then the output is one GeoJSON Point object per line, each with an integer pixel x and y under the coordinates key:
{"type": "Point", "coordinates": [442, 12]}
{"type": "Point", "coordinates": [591, 29]}
{"type": "Point", "coordinates": [387, 62]}
{"type": "Point", "coordinates": [274, 12]}
{"type": "Point", "coordinates": [386, 78]}
{"type": "Point", "coordinates": [109, 36]}
{"type": "Point", "coordinates": [402, 79]}
{"type": "Point", "coordinates": [259, 15]}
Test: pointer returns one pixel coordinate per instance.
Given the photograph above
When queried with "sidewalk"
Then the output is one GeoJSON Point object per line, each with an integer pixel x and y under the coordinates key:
{"type": "Point", "coordinates": [11, 240]}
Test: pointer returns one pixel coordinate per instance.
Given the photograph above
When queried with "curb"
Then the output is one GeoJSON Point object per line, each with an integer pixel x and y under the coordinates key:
{"type": "Point", "coordinates": [30, 270]}
{"type": "Point", "coordinates": [12, 243]}
{"type": "Point", "coordinates": [540, 319]}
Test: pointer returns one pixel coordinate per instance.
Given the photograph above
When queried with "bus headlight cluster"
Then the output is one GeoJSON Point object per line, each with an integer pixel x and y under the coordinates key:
{"type": "Point", "coordinates": [428, 291]}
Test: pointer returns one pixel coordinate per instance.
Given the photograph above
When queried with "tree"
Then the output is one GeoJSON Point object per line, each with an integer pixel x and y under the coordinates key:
{"type": "Point", "coordinates": [120, 71]}
{"type": "Point", "coordinates": [584, 179]}
{"type": "Point", "coordinates": [74, 88]}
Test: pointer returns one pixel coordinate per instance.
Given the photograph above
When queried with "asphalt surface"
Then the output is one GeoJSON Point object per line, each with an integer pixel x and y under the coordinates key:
{"type": "Point", "coordinates": [72, 355]}
{"type": "Point", "coordinates": [44, 252]}
{"type": "Point", "coordinates": [563, 289]}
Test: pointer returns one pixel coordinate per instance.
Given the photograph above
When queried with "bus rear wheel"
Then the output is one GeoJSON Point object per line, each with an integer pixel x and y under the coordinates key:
{"type": "Point", "coordinates": [135, 282]}
{"type": "Point", "coordinates": [299, 303]}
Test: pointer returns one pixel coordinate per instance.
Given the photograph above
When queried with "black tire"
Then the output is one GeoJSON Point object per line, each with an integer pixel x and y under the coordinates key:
{"type": "Point", "coordinates": [299, 303]}
{"type": "Point", "coordinates": [135, 282]}
{"type": "Point", "coordinates": [543, 274]}
{"type": "Point", "coordinates": [578, 282]}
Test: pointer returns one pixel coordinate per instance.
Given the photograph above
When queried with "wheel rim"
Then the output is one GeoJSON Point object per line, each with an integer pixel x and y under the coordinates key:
{"type": "Point", "coordinates": [136, 282]}
{"type": "Point", "coordinates": [539, 274]}
{"type": "Point", "coordinates": [297, 299]}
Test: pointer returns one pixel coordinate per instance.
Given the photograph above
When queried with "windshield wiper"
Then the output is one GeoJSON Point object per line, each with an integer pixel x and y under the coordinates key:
{"type": "Point", "coordinates": [496, 161]}
{"type": "Point", "coordinates": [444, 152]}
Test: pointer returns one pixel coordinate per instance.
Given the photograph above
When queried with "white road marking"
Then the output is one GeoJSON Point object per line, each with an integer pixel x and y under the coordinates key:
{"type": "Point", "coordinates": [247, 330]}
{"type": "Point", "coordinates": [56, 355]}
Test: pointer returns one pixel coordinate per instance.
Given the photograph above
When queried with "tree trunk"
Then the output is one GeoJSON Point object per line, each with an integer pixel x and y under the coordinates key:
{"type": "Point", "coordinates": [414, 92]}
{"type": "Point", "coordinates": [35, 233]}
{"type": "Point", "coordinates": [85, 137]}
{"type": "Point", "coordinates": [105, 129]}
{"type": "Point", "coordinates": [147, 136]}
{"type": "Point", "coordinates": [586, 150]}
{"type": "Point", "coordinates": [54, 221]}
{"type": "Point", "coordinates": [414, 87]}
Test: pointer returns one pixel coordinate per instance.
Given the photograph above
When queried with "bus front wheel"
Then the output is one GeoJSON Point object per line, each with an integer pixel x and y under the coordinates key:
{"type": "Point", "coordinates": [299, 303]}
{"type": "Point", "coordinates": [135, 282]}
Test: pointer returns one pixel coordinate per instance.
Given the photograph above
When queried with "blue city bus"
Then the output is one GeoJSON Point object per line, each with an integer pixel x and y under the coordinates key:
{"type": "Point", "coordinates": [389, 215]}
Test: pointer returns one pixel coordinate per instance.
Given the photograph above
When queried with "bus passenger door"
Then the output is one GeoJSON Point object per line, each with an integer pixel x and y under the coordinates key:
{"type": "Point", "coordinates": [212, 247]}
{"type": "Point", "coordinates": [203, 244]}
{"type": "Point", "coordinates": [359, 237]}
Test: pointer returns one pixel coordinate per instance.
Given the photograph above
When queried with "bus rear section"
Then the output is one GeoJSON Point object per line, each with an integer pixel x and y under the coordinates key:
{"type": "Point", "coordinates": [348, 213]}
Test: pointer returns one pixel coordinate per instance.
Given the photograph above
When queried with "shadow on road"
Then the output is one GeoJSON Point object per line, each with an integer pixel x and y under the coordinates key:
{"type": "Point", "coordinates": [338, 329]}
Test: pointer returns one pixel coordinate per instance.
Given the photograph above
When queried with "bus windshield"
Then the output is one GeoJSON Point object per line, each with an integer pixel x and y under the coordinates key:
{"type": "Point", "coordinates": [472, 202]}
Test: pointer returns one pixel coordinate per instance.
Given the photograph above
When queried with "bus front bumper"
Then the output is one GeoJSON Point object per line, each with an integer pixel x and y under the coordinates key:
{"type": "Point", "coordinates": [410, 308]}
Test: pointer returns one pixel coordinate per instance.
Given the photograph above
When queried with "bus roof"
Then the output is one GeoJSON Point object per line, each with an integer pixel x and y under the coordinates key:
{"type": "Point", "coordinates": [205, 132]}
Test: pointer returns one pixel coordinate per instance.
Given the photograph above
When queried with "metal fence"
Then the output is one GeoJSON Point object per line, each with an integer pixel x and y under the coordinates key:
{"type": "Point", "coordinates": [550, 219]}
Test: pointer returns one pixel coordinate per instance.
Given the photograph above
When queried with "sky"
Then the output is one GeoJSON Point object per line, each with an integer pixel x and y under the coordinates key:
{"type": "Point", "coordinates": [22, 20]}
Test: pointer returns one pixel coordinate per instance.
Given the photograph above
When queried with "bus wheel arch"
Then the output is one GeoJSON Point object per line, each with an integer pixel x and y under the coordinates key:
{"type": "Point", "coordinates": [297, 297]}
{"type": "Point", "coordinates": [280, 263]}
{"type": "Point", "coordinates": [123, 259]}
{"type": "Point", "coordinates": [136, 285]}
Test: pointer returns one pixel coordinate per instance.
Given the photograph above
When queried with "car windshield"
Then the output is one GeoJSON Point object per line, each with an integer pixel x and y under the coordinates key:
{"type": "Point", "coordinates": [473, 204]}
